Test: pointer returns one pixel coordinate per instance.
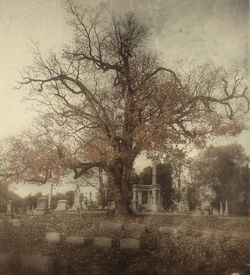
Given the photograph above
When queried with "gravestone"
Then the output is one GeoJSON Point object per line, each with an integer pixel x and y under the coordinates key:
{"type": "Point", "coordinates": [183, 207]}
{"type": "Point", "coordinates": [168, 229]}
{"type": "Point", "coordinates": [206, 212]}
{"type": "Point", "coordinates": [112, 205]}
{"type": "Point", "coordinates": [135, 227]}
{"type": "Point", "coordinates": [221, 209]}
{"type": "Point", "coordinates": [129, 243]}
{"type": "Point", "coordinates": [226, 212]}
{"type": "Point", "coordinates": [42, 203]}
{"type": "Point", "coordinates": [84, 203]}
{"type": "Point", "coordinates": [110, 226]}
{"type": "Point", "coordinates": [77, 205]}
{"type": "Point", "coordinates": [53, 237]}
{"type": "Point", "coordinates": [9, 210]}
{"type": "Point", "coordinates": [62, 205]}
{"type": "Point", "coordinates": [103, 242]}
{"type": "Point", "coordinates": [197, 211]}
{"type": "Point", "coordinates": [76, 240]}
{"type": "Point", "coordinates": [215, 212]}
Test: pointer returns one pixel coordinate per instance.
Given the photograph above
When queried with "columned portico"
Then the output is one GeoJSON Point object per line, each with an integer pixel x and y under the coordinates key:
{"type": "Point", "coordinates": [147, 197]}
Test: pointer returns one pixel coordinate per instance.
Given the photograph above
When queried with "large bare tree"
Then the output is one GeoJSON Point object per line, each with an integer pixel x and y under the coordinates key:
{"type": "Point", "coordinates": [110, 93]}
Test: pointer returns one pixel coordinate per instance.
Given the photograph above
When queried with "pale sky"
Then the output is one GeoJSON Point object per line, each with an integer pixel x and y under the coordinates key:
{"type": "Point", "coordinates": [204, 30]}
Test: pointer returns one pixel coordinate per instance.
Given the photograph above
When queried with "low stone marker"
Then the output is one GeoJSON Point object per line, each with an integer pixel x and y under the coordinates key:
{"type": "Point", "coordinates": [168, 229]}
{"type": "Point", "coordinates": [9, 210]}
{"type": "Point", "coordinates": [197, 211]}
{"type": "Point", "coordinates": [135, 227]}
{"type": "Point", "coordinates": [33, 264]}
{"type": "Point", "coordinates": [53, 237]}
{"type": "Point", "coordinates": [62, 205]}
{"type": "Point", "coordinates": [77, 205]}
{"type": "Point", "coordinates": [215, 212]}
{"type": "Point", "coordinates": [103, 242]}
{"type": "Point", "coordinates": [42, 203]}
{"type": "Point", "coordinates": [110, 226]}
{"type": "Point", "coordinates": [76, 240]}
{"type": "Point", "coordinates": [206, 213]}
{"type": "Point", "coordinates": [129, 243]}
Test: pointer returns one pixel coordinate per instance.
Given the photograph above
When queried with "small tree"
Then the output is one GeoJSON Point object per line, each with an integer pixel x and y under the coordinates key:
{"type": "Point", "coordinates": [179, 162]}
{"type": "Point", "coordinates": [225, 170]}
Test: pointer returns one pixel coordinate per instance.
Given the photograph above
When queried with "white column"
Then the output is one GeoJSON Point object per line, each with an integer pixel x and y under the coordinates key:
{"type": "Point", "coordinates": [226, 213]}
{"type": "Point", "coordinates": [134, 199]}
{"type": "Point", "coordinates": [221, 209]}
{"type": "Point", "coordinates": [154, 174]}
{"type": "Point", "coordinates": [134, 195]}
{"type": "Point", "coordinates": [159, 207]}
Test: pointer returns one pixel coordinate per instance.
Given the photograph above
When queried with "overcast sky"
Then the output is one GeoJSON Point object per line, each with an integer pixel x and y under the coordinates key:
{"type": "Point", "coordinates": [204, 30]}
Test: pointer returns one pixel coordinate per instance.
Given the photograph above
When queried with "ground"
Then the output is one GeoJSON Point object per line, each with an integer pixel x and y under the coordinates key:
{"type": "Point", "coordinates": [201, 245]}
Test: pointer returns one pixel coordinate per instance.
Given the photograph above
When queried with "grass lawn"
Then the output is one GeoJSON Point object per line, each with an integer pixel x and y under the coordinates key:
{"type": "Point", "coordinates": [186, 252]}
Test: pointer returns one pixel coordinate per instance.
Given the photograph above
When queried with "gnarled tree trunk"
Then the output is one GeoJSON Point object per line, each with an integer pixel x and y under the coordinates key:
{"type": "Point", "coordinates": [122, 201]}
{"type": "Point", "coordinates": [120, 178]}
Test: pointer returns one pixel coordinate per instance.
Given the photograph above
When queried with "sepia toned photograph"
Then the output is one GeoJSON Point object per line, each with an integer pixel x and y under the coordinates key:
{"type": "Point", "coordinates": [124, 137]}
